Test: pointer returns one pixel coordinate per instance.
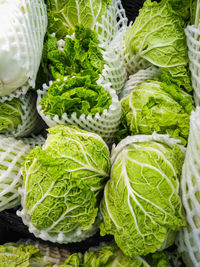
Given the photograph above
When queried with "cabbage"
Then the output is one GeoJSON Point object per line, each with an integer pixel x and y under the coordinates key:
{"type": "Point", "coordinates": [106, 256]}
{"type": "Point", "coordinates": [63, 14]}
{"type": "Point", "coordinates": [157, 106]}
{"type": "Point", "coordinates": [62, 185]}
{"type": "Point", "coordinates": [141, 206]}
{"type": "Point", "coordinates": [22, 29]}
{"type": "Point", "coordinates": [157, 37]}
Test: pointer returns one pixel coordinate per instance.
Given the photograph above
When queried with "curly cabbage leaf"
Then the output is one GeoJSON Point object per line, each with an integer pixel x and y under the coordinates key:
{"type": "Point", "coordinates": [13, 255]}
{"type": "Point", "coordinates": [107, 256]}
{"type": "Point", "coordinates": [157, 36]}
{"type": "Point", "coordinates": [63, 181]}
{"type": "Point", "coordinates": [77, 94]}
{"type": "Point", "coordinates": [157, 106]}
{"type": "Point", "coordinates": [80, 54]}
{"type": "Point", "coordinates": [64, 14]}
{"type": "Point", "coordinates": [144, 208]}
{"type": "Point", "coordinates": [10, 115]}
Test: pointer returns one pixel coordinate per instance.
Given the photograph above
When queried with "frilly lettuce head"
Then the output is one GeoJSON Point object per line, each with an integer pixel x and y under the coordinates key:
{"type": "Point", "coordinates": [157, 36]}
{"type": "Point", "coordinates": [12, 255]}
{"type": "Point", "coordinates": [157, 106]}
{"type": "Point", "coordinates": [141, 206]}
{"type": "Point", "coordinates": [107, 256]}
{"type": "Point", "coordinates": [64, 14]}
{"type": "Point", "coordinates": [62, 184]}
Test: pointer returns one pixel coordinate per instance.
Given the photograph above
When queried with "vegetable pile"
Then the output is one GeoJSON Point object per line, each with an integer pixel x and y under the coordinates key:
{"type": "Point", "coordinates": [99, 133]}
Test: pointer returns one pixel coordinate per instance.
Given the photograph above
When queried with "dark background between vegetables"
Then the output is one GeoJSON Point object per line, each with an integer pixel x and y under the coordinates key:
{"type": "Point", "coordinates": [11, 227]}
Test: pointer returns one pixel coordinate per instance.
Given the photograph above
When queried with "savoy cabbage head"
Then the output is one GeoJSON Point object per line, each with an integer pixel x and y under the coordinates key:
{"type": "Point", "coordinates": [157, 106]}
{"type": "Point", "coordinates": [144, 210]}
{"type": "Point", "coordinates": [62, 185]}
{"type": "Point", "coordinates": [157, 37]}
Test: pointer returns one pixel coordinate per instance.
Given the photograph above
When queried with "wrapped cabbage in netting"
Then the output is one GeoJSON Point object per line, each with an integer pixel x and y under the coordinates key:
{"type": "Point", "coordinates": [19, 116]}
{"type": "Point", "coordinates": [21, 39]}
{"type": "Point", "coordinates": [188, 240]}
{"type": "Point", "coordinates": [141, 206]}
{"type": "Point", "coordinates": [62, 185]}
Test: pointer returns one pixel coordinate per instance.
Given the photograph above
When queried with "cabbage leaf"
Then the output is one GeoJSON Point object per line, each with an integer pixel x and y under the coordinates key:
{"type": "Point", "coordinates": [144, 210]}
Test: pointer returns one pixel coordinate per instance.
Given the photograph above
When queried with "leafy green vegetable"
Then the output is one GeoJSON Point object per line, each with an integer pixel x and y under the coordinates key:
{"type": "Point", "coordinates": [10, 115]}
{"type": "Point", "coordinates": [64, 14]}
{"type": "Point", "coordinates": [80, 54]}
{"type": "Point", "coordinates": [157, 36]}
{"type": "Point", "coordinates": [144, 210]}
{"type": "Point", "coordinates": [13, 255]}
{"type": "Point", "coordinates": [182, 8]}
{"type": "Point", "coordinates": [105, 257]}
{"type": "Point", "coordinates": [157, 106]}
{"type": "Point", "coordinates": [63, 181]}
{"type": "Point", "coordinates": [76, 94]}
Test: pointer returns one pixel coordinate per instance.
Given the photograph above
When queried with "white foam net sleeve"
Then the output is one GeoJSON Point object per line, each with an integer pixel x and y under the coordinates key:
{"type": "Point", "coordinates": [12, 153]}
{"type": "Point", "coordinates": [188, 240]}
{"type": "Point", "coordinates": [138, 78]}
{"type": "Point", "coordinates": [34, 141]}
{"type": "Point", "coordinates": [193, 43]}
{"type": "Point", "coordinates": [23, 34]}
{"type": "Point", "coordinates": [105, 125]}
{"type": "Point", "coordinates": [131, 63]}
{"type": "Point", "coordinates": [30, 118]}
{"type": "Point", "coordinates": [51, 254]}
{"type": "Point", "coordinates": [16, 94]}
{"type": "Point", "coordinates": [111, 22]}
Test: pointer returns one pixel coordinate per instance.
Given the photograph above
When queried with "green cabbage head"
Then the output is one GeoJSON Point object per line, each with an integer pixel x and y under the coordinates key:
{"type": "Point", "coordinates": [141, 206]}
{"type": "Point", "coordinates": [160, 107]}
{"type": "Point", "coordinates": [62, 185]}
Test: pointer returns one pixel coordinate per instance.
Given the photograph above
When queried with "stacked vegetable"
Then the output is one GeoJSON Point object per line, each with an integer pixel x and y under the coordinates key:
{"type": "Point", "coordinates": [117, 99]}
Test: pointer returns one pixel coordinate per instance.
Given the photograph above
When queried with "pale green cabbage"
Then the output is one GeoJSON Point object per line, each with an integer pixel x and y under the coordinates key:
{"type": "Point", "coordinates": [157, 106]}
{"type": "Point", "coordinates": [62, 184]}
{"type": "Point", "coordinates": [64, 14]}
{"type": "Point", "coordinates": [157, 37]}
{"type": "Point", "coordinates": [141, 206]}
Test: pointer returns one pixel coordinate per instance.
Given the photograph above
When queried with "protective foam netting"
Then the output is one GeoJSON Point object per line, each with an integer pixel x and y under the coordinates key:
{"type": "Point", "coordinates": [12, 153]}
{"type": "Point", "coordinates": [108, 27]}
{"type": "Point", "coordinates": [105, 124]}
{"type": "Point", "coordinates": [193, 42]}
{"type": "Point", "coordinates": [51, 254]}
{"type": "Point", "coordinates": [188, 240]}
{"type": "Point", "coordinates": [138, 78]}
{"type": "Point", "coordinates": [27, 27]}
{"type": "Point", "coordinates": [34, 141]}
{"type": "Point", "coordinates": [31, 121]}
{"type": "Point", "coordinates": [131, 63]}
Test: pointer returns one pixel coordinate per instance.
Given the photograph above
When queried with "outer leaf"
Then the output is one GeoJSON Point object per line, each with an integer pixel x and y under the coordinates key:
{"type": "Point", "coordinates": [157, 36]}
{"type": "Point", "coordinates": [70, 13]}
{"type": "Point", "coordinates": [157, 106]}
{"type": "Point", "coordinates": [144, 204]}
{"type": "Point", "coordinates": [63, 182]}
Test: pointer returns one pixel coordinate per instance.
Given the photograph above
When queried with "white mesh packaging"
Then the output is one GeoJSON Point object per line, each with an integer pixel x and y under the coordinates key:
{"type": "Point", "coordinates": [188, 240]}
{"type": "Point", "coordinates": [111, 22]}
{"type": "Point", "coordinates": [106, 124]}
{"type": "Point", "coordinates": [34, 141]}
{"type": "Point", "coordinates": [21, 42]}
{"type": "Point", "coordinates": [12, 153]}
{"type": "Point", "coordinates": [138, 78]}
{"type": "Point", "coordinates": [30, 118]}
{"type": "Point", "coordinates": [193, 42]}
{"type": "Point", "coordinates": [132, 63]}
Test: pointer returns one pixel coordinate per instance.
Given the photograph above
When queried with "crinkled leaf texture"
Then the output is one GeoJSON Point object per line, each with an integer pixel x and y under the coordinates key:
{"type": "Point", "coordinates": [160, 107]}
{"type": "Point", "coordinates": [157, 36]}
{"type": "Point", "coordinates": [64, 14]}
{"type": "Point", "coordinates": [13, 254]}
{"type": "Point", "coordinates": [106, 256]}
{"type": "Point", "coordinates": [141, 206]}
{"type": "Point", "coordinates": [62, 185]}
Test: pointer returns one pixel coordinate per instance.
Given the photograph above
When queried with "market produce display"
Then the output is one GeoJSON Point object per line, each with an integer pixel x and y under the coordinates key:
{"type": "Point", "coordinates": [99, 123]}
